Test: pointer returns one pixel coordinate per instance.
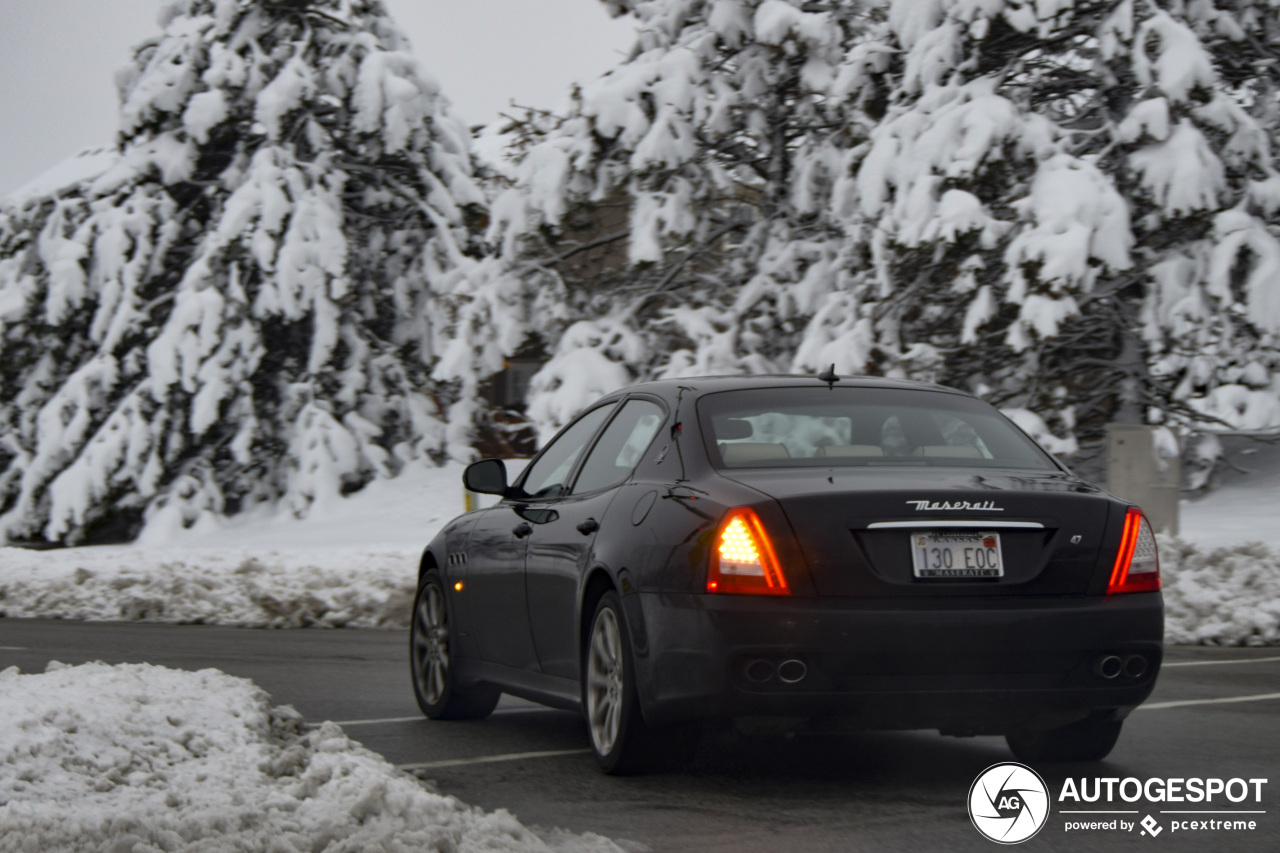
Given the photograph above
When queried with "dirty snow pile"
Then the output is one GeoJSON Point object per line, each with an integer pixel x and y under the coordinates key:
{"type": "Point", "coordinates": [290, 589]}
{"type": "Point", "coordinates": [140, 757]}
{"type": "Point", "coordinates": [357, 566]}
{"type": "Point", "coordinates": [351, 562]}
{"type": "Point", "coordinates": [1226, 596]}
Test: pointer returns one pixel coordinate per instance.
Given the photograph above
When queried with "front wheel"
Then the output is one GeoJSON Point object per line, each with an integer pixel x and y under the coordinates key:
{"type": "Point", "coordinates": [1091, 739]}
{"type": "Point", "coordinates": [431, 659]}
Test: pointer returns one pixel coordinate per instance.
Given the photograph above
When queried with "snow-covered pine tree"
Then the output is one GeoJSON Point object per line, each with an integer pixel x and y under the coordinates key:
{"type": "Point", "coordinates": [688, 213]}
{"type": "Point", "coordinates": [1066, 207]}
{"type": "Point", "coordinates": [1074, 206]}
{"type": "Point", "coordinates": [239, 310]}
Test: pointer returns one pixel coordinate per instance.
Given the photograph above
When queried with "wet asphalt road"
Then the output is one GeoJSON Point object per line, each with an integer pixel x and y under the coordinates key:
{"type": "Point", "coordinates": [894, 791]}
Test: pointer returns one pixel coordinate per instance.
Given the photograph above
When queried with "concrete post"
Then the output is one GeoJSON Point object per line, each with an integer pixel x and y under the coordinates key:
{"type": "Point", "coordinates": [1144, 467]}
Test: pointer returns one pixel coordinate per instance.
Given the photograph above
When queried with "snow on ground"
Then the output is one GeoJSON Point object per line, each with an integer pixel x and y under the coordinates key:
{"type": "Point", "coordinates": [260, 589]}
{"type": "Point", "coordinates": [1245, 503]}
{"type": "Point", "coordinates": [353, 563]}
{"type": "Point", "coordinates": [140, 757]}
{"type": "Point", "coordinates": [350, 563]}
{"type": "Point", "coordinates": [399, 515]}
{"type": "Point", "coordinates": [1221, 596]}
{"type": "Point", "coordinates": [1222, 575]}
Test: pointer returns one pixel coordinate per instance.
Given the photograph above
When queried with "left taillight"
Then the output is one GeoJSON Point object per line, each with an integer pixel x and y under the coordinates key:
{"type": "Point", "coordinates": [1137, 566]}
{"type": "Point", "coordinates": [743, 559]}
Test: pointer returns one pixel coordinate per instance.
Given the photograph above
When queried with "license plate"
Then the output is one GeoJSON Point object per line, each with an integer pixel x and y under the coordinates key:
{"type": "Point", "coordinates": [957, 554]}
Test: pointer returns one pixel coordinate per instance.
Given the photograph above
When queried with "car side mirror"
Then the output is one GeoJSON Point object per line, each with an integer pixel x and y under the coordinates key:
{"type": "Point", "coordinates": [487, 477]}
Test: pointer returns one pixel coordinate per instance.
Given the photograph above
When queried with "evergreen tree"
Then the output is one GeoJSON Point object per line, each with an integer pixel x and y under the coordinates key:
{"type": "Point", "coordinates": [240, 310]}
{"type": "Point", "coordinates": [687, 214]}
{"type": "Point", "coordinates": [1077, 206]}
{"type": "Point", "coordinates": [1067, 208]}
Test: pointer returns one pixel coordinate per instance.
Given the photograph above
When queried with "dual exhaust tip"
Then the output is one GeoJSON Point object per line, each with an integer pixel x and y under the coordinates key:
{"type": "Point", "coordinates": [1113, 666]}
{"type": "Point", "coordinates": [792, 671]}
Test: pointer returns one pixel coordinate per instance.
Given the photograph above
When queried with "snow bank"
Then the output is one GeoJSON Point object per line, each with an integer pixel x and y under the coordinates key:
{"type": "Point", "coordinates": [296, 589]}
{"type": "Point", "coordinates": [351, 562]}
{"type": "Point", "coordinates": [359, 566]}
{"type": "Point", "coordinates": [140, 757]}
{"type": "Point", "coordinates": [1223, 596]}
{"type": "Point", "coordinates": [1227, 596]}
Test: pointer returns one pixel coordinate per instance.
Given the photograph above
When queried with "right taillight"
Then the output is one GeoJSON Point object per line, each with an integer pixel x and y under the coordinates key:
{"type": "Point", "coordinates": [1137, 566]}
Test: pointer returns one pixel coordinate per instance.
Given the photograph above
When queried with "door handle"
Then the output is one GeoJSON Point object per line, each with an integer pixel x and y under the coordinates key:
{"type": "Point", "coordinates": [522, 530]}
{"type": "Point", "coordinates": [588, 527]}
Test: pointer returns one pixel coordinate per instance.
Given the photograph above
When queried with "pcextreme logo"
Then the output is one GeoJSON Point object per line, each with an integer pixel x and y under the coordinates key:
{"type": "Point", "coordinates": [1008, 803]}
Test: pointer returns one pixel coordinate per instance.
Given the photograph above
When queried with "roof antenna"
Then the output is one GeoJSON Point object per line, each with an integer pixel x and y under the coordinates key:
{"type": "Point", "coordinates": [677, 429]}
{"type": "Point", "coordinates": [829, 376]}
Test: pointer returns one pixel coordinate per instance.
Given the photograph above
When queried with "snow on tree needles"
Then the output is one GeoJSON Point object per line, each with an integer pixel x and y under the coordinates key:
{"type": "Point", "coordinates": [1068, 208]}
{"type": "Point", "coordinates": [239, 309]}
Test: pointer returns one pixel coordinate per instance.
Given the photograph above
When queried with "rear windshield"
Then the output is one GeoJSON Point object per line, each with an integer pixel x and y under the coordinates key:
{"type": "Point", "coordinates": [821, 427]}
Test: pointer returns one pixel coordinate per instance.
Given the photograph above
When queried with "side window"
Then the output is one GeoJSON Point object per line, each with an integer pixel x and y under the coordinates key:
{"type": "Point", "coordinates": [547, 475]}
{"type": "Point", "coordinates": [620, 447]}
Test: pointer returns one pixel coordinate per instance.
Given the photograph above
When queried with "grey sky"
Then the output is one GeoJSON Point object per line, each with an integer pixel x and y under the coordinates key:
{"type": "Point", "coordinates": [58, 60]}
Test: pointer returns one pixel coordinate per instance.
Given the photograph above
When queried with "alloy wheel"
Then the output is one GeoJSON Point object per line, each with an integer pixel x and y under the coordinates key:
{"type": "Point", "coordinates": [431, 644]}
{"type": "Point", "coordinates": [604, 681]}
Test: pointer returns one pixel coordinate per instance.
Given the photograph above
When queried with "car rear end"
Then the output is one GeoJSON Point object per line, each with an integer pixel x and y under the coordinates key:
{"type": "Point", "coordinates": [907, 560]}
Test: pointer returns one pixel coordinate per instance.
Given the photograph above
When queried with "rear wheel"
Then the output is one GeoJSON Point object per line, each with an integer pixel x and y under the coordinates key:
{"type": "Point", "coordinates": [1091, 739]}
{"type": "Point", "coordinates": [620, 739]}
{"type": "Point", "coordinates": [431, 658]}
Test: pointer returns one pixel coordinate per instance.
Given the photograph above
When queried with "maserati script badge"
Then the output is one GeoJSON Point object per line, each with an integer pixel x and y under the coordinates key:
{"type": "Point", "coordinates": [929, 506]}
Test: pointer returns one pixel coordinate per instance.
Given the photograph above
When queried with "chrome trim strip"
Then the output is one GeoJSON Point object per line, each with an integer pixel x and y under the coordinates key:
{"type": "Point", "coordinates": [949, 522]}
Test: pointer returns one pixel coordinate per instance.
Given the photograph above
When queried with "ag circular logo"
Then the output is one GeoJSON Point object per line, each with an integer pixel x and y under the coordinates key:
{"type": "Point", "coordinates": [1008, 803]}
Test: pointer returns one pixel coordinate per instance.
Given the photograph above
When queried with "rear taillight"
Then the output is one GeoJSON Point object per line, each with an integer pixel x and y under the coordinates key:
{"type": "Point", "coordinates": [743, 559]}
{"type": "Point", "coordinates": [1137, 567]}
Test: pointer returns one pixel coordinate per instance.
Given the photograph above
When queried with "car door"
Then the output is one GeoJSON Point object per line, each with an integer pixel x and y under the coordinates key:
{"type": "Point", "coordinates": [496, 562]}
{"type": "Point", "coordinates": [560, 550]}
{"type": "Point", "coordinates": [495, 590]}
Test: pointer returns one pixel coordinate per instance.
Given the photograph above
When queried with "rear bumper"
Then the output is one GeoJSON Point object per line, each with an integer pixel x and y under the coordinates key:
{"type": "Point", "coordinates": [974, 666]}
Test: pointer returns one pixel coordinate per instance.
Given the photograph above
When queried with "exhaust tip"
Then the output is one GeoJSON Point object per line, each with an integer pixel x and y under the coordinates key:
{"type": "Point", "coordinates": [1135, 666]}
{"type": "Point", "coordinates": [791, 671]}
{"type": "Point", "coordinates": [1108, 666]}
{"type": "Point", "coordinates": [759, 671]}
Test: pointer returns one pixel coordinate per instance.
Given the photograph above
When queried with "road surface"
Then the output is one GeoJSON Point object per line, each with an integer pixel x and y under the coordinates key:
{"type": "Point", "coordinates": [1215, 713]}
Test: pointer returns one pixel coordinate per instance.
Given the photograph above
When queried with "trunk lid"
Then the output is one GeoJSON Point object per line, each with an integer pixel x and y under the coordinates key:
{"type": "Point", "coordinates": [855, 527]}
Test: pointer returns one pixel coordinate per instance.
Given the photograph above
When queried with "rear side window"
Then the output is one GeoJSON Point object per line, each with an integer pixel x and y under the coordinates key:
{"type": "Point", "coordinates": [821, 427]}
{"type": "Point", "coordinates": [620, 446]}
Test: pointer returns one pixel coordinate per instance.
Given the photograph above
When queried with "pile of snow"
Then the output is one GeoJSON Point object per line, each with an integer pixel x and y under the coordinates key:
{"type": "Point", "coordinates": [1227, 596]}
{"type": "Point", "coordinates": [293, 589]}
{"type": "Point", "coordinates": [140, 757]}
{"type": "Point", "coordinates": [351, 562]}
{"type": "Point", "coordinates": [358, 567]}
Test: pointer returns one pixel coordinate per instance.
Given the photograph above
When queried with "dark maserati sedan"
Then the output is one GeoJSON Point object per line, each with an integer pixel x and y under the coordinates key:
{"type": "Point", "coordinates": [812, 552]}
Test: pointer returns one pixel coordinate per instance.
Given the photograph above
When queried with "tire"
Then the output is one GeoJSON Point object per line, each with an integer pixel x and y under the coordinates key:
{"type": "Point", "coordinates": [431, 661]}
{"type": "Point", "coordinates": [1091, 739]}
{"type": "Point", "coordinates": [620, 740]}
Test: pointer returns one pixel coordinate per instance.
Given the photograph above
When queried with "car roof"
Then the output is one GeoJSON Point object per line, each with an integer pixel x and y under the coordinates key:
{"type": "Point", "coordinates": [700, 385]}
